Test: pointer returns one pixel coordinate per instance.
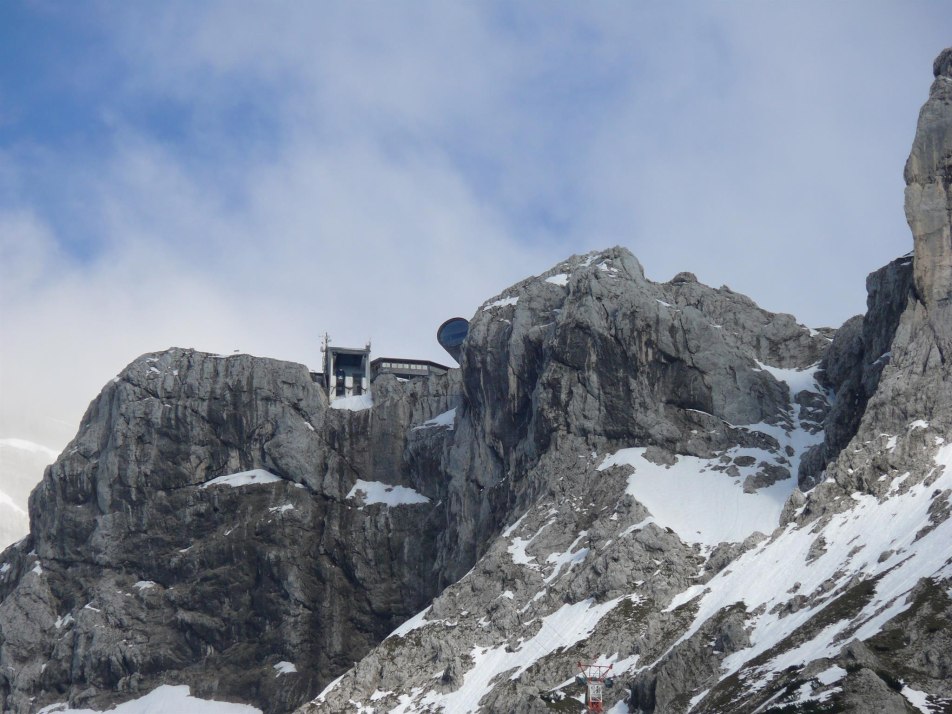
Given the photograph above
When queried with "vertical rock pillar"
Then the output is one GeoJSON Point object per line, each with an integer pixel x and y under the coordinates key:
{"type": "Point", "coordinates": [928, 203]}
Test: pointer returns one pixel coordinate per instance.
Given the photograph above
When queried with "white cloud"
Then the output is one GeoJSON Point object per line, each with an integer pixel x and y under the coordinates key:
{"type": "Point", "coordinates": [342, 240]}
{"type": "Point", "coordinates": [28, 255]}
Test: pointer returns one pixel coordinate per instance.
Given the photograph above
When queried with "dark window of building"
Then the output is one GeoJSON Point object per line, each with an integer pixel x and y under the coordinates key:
{"type": "Point", "coordinates": [346, 360]}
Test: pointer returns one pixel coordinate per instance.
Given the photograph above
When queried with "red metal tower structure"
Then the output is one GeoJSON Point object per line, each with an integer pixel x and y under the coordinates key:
{"type": "Point", "coordinates": [595, 678]}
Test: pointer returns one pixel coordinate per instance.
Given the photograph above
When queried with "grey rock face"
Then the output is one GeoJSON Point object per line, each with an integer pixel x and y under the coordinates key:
{"type": "Point", "coordinates": [140, 573]}
{"type": "Point", "coordinates": [852, 365]}
{"type": "Point", "coordinates": [864, 688]}
{"type": "Point", "coordinates": [907, 326]}
{"type": "Point", "coordinates": [916, 383]}
{"type": "Point", "coordinates": [612, 357]}
{"type": "Point", "coordinates": [805, 619]}
{"type": "Point", "coordinates": [884, 450]}
{"type": "Point", "coordinates": [928, 177]}
{"type": "Point", "coordinates": [915, 647]}
{"type": "Point", "coordinates": [560, 371]}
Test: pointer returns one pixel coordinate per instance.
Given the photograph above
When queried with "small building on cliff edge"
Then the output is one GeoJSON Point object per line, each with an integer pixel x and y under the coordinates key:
{"type": "Point", "coordinates": [349, 371]}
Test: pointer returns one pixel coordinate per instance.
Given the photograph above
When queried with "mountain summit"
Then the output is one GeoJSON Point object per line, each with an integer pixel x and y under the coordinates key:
{"type": "Point", "coordinates": [717, 508]}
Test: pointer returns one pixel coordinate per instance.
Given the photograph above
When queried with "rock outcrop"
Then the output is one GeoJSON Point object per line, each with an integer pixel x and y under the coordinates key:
{"type": "Point", "coordinates": [844, 608]}
{"type": "Point", "coordinates": [141, 569]}
{"type": "Point", "coordinates": [858, 639]}
{"type": "Point", "coordinates": [928, 177]}
{"type": "Point", "coordinates": [561, 372]}
{"type": "Point", "coordinates": [852, 366]}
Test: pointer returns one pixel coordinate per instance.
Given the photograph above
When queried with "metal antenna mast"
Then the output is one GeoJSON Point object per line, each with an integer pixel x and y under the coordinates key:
{"type": "Point", "coordinates": [595, 678]}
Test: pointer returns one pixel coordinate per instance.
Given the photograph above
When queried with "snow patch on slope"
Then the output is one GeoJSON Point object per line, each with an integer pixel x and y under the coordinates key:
{"type": "Point", "coordinates": [244, 478]}
{"type": "Point", "coordinates": [701, 505]}
{"type": "Point", "coordinates": [446, 419]}
{"type": "Point", "coordinates": [562, 629]}
{"type": "Point", "coordinates": [166, 699]}
{"type": "Point", "coordinates": [284, 668]}
{"type": "Point", "coordinates": [376, 492]}
{"type": "Point", "coordinates": [503, 302]}
{"type": "Point", "coordinates": [917, 699]}
{"type": "Point", "coordinates": [871, 539]}
{"type": "Point", "coordinates": [414, 623]}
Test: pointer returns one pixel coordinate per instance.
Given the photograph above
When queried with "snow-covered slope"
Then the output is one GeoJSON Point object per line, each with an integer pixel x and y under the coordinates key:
{"type": "Point", "coordinates": [163, 700]}
{"type": "Point", "coordinates": [691, 496]}
{"type": "Point", "coordinates": [813, 587]}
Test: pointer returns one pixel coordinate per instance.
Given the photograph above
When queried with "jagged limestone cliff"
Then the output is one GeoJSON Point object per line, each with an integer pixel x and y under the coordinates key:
{"type": "Point", "coordinates": [141, 570]}
{"type": "Point", "coordinates": [602, 479]}
{"type": "Point", "coordinates": [844, 608]}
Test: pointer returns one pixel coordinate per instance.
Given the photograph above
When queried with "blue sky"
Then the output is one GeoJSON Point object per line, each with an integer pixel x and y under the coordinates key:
{"type": "Point", "coordinates": [247, 175]}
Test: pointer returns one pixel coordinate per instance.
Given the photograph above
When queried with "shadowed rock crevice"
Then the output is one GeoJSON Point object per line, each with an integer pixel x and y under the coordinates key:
{"type": "Point", "coordinates": [852, 366]}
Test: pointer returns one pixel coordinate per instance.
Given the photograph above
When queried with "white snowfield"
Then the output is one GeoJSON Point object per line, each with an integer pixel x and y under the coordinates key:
{"type": "Point", "coordinates": [414, 623]}
{"type": "Point", "coordinates": [561, 629]}
{"type": "Point", "coordinates": [877, 540]}
{"type": "Point", "coordinates": [166, 699]}
{"type": "Point", "coordinates": [699, 504]}
{"type": "Point", "coordinates": [377, 492]}
{"type": "Point", "coordinates": [917, 699]}
{"type": "Point", "coordinates": [856, 540]}
{"type": "Point", "coordinates": [872, 539]}
{"type": "Point", "coordinates": [244, 478]}
{"type": "Point", "coordinates": [284, 668]}
{"type": "Point", "coordinates": [706, 506]}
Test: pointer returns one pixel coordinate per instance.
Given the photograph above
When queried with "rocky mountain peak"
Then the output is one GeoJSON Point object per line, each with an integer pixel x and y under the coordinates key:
{"type": "Point", "coordinates": [942, 67]}
{"type": "Point", "coordinates": [928, 203]}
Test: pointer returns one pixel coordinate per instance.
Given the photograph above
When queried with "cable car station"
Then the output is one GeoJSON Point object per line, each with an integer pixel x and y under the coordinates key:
{"type": "Point", "coordinates": [349, 371]}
